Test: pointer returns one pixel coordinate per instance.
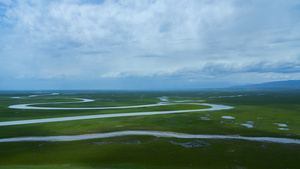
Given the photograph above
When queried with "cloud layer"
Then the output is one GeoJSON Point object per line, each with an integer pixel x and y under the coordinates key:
{"type": "Point", "coordinates": [188, 42]}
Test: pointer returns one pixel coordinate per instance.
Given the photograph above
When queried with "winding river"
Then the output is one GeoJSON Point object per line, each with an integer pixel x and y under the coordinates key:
{"type": "Point", "coordinates": [59, 119]}
{"type": "Point", "coordinates": [213, 107]}
{"type": "Point", "coordinates": [150, 133]}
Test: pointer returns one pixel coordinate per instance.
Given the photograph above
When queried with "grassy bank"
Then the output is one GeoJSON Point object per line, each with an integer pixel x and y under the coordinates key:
{"type": "Point", "coordinates": [264, 110]}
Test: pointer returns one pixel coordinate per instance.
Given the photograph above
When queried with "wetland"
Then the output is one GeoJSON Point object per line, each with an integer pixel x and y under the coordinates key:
{"type": "Point", "coordinates": [231, 128]}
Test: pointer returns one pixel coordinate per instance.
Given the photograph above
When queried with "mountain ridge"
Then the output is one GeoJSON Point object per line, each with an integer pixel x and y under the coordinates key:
{"type": "Point", "coordinates": [289, 84]}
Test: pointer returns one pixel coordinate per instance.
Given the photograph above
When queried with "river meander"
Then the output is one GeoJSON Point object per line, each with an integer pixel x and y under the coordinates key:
{"type": "Point", "coordinates": [213, 107]}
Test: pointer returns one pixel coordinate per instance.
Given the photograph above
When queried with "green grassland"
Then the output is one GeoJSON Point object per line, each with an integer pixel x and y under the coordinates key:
{"type": "Point", "coordinates": [262, 108]}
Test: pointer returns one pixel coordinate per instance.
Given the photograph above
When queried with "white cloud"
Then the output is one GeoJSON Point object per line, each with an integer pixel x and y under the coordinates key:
{"type": "Point", "coordinates": [192, 39]}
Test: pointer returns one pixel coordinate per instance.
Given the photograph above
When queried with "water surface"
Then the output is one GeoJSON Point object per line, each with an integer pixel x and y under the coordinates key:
{"type": "Point", "coordinates": [151, 133]}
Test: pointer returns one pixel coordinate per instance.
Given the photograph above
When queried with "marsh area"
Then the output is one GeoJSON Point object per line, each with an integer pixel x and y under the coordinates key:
{"type": "Point", "coordinates": [230, 129]}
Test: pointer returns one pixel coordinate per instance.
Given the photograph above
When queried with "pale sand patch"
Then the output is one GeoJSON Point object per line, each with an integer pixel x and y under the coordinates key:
{"type": "Point", "coordinates": [283, 129]}
{"type": "Point", "coordinates": [228, 117]}
{"type": "Point", "coordinates": [205, 118]}
{"type": "Point", "coordinates": [248, 125]}
{"type": "Point", "coordinates": [280, 124]}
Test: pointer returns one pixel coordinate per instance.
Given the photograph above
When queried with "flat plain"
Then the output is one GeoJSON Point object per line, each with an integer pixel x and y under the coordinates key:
{"type": "Point", "coordinates": [254, 114]}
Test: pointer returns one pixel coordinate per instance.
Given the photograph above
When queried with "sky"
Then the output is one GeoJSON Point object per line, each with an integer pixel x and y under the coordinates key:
{"type": "Point", "coordinates": [147, 44]}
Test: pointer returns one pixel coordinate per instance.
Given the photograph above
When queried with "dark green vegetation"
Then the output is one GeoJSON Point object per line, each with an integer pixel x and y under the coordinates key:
{"type": "Point", "coordinates": [261, 108]}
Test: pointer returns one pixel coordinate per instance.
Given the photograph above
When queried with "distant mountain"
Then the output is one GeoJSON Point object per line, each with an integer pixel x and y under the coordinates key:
{"type": "Point", "coordinates": [283, 85]}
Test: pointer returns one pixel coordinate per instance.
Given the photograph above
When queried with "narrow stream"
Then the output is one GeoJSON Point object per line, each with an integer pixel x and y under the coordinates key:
{"type": "Point", "coordinates": [151, 133]}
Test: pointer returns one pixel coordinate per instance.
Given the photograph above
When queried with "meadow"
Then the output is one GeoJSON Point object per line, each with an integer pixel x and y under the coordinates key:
{"type": "Point", "coordinates": [255, 114]}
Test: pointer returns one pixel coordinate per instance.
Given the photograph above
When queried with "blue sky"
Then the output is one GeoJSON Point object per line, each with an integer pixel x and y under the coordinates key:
{"type": "Point", "coordinates": [149, 44]}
